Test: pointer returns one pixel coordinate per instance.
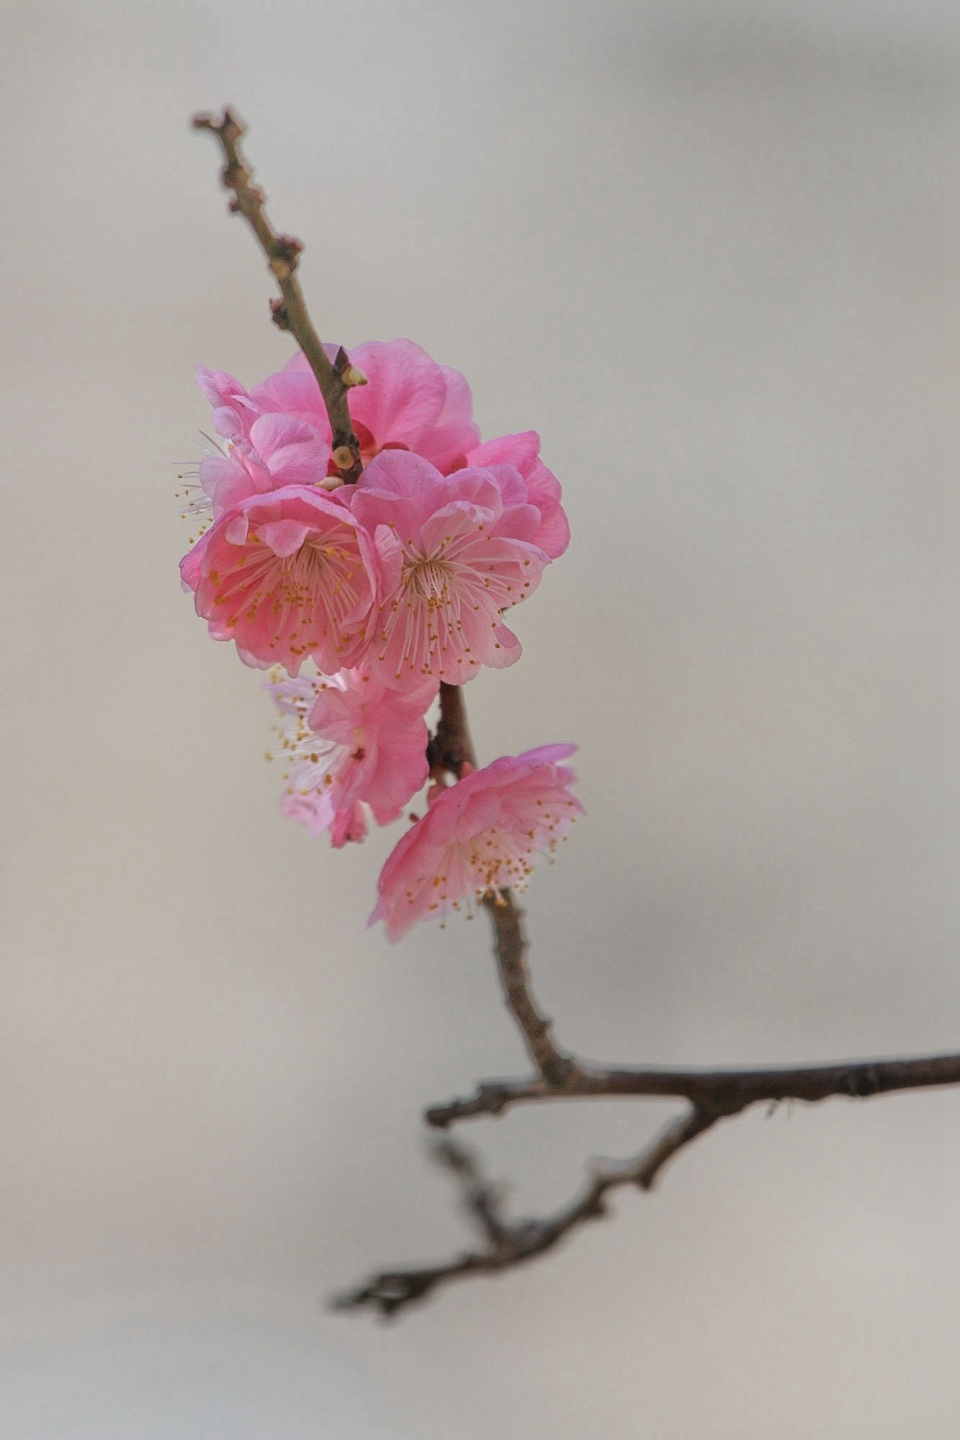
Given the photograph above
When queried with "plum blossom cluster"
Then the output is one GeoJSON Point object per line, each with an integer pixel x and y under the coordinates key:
{"type": "Point", "coordinates": [389, 587]}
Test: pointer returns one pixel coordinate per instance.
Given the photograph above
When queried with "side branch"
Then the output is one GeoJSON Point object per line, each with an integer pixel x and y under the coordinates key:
{"type": "Point", "coordinates": [718, 1092]}
{"type": "Point", "coordinates": [335, 377]}
{"type": "Point", "coordinates": [507, 1245]}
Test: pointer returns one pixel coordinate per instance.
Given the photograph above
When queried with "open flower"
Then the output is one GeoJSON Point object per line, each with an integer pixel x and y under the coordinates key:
{"type": "Point", "coordinates": [478, 835]}
{"type": "Point", "coordinates": [454, 552]}
{"type": "Point", "coordinates": [278, 450]}
{"type": "Point", "coordinates": [278, 433]}
{"type": "Point", "coordinates": [350, 742]}
{"type": "Point", "coordinates": [286, 575]}
{"type": "Point", "coordinates": [233, 410]}
{"type": "Point", "coordinates": [542, 486]}
{"type": "Point", "coordinates": [408, 403]}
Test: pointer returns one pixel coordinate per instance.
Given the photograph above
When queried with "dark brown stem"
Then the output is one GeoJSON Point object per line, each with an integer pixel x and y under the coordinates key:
{"type": "Point", "coordinates": [674, 1137]}
{"type": "Point", "coordinates": [510, 949]}
{"type": "Point", "coordinates": [721, 1092]}
{"type": "Point", "coordinates": [335, 378]}
{"type": "Point", "coordinates": [451, 747]}
{"type": "Point", "coordinates": [509, 1245]}
{"type": "Point", "coordinates": [506, 1244]}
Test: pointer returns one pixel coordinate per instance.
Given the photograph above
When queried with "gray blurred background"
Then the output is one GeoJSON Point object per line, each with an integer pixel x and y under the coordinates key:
{"type": "Point", "coordinates": [703, 249]}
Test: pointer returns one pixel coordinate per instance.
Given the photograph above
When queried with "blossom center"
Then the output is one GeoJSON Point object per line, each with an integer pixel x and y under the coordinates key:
{"type": "Point", "coordinates": [303, 571]}
{"type": "Point", "coordinates": [429, 579]}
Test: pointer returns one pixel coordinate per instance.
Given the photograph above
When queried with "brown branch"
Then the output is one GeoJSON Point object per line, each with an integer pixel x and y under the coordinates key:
{"type": "Point", "coordinates": [335, 378]}
{"type": "Point", "coordinates": [712, 1094]}
{"type": "Point", "coordinates": [673, 1138]}
{"type": "Point", "coordinates": [722, 1092]}
{"type": "Point", "coordinates": [510, 948]}
{"type": "Point", "coordinates": [508, 1245]}
{"type": "Point", "coordinates": [482, 1201]}
{"type": "Point", "coordinates": [451, 748]}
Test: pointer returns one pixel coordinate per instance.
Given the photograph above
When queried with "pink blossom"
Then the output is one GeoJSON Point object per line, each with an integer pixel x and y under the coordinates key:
{"type": "Point", "coordinates": [454, 552]}
{"type": "Point", "coordinates": [278, 450]}
{"type": "Point", "coordinates": [350, 742]}
{"type": "Point", "coordinates": [348, 825]}
{"type": "Point", "coordinates": [478, 835]}
{"type": "Point", "coordinates": [286, 575]}
{"type": "Point", "coordinates": [408, 403]}
{"type": "Point", "coordinates": [233, 410]}
{"type": "Point", "coordinates": [543, 487]}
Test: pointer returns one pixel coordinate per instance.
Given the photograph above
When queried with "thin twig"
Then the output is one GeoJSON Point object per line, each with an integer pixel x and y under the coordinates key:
{"type": "Point", "coordinates": [335, 377]}
{"type": "Point", "coordinates": [482, 1200]}
{"type": "Point", "coordinates": [674, 1137]}
{"type": "Point", "coordinates": [510, 949]}
{"type": "Point", "coordinates": [714, 1096]}
{"type": "Point", "coordinates": [511, 1244]}
{"type": "Point", "coordinates": [722, 1091]}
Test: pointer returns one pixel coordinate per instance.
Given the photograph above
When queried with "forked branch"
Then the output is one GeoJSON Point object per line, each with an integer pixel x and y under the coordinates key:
{"type": "Point", "coordinates": [712, 1095]}
{"type": "Point", "coordinates": [726, 1092]}
{"type": "Point", "coordinates": [715, 1095]}
{"type": "Point", "coordinates": [509, 1244]}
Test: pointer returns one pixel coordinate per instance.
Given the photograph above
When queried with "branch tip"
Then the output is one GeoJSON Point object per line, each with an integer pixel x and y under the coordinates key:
{"type": "Point", "coordinates": [229, 125]}
{"type": "Point", "coordinates": [282, 255]}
